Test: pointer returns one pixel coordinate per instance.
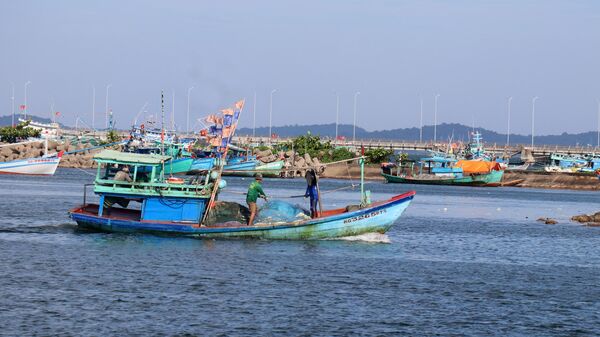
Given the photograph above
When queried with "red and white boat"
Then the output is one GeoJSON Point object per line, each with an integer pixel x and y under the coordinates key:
{"type": "Point", "coordinates": [45, 165]}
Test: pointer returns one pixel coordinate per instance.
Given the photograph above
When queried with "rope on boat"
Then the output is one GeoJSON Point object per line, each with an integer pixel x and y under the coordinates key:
{"type": "Point", "coordinates": [86, 172]}
{"type": "Point", "coordinates": [352, 186]}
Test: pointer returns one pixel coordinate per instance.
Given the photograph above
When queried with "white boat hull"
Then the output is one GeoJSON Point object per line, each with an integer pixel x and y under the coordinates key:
{"type": "Point", "coordinates": [32, 166]}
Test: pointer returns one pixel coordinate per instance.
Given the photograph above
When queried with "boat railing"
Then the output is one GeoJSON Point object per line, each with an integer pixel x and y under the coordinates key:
{"type": "Point", "coordinates": [145, 186]}
{"type": "Point", "coordinates": [85, 188]}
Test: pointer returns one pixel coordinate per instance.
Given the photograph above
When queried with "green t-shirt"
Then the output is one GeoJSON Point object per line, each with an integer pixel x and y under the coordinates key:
{"type": "Point", "coordinates": [254, 191]}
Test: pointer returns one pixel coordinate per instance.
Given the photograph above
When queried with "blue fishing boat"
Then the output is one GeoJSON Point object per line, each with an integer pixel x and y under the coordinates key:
{"type": "Point", "coordinates": [202, 164]}
{"type": "Point", "coordinates": [180, 207]}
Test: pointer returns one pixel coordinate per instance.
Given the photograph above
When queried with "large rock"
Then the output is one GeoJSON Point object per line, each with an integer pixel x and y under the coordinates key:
{"type": "Point", "coordinates": [52, 144]}
{"type": "Point", "coordinates": [268, 159]}
{"type": "Point", "coordinates": [17, 149]}
{"type": "Point", "coordinates": [308, 160]}
{"type": "Point", "coordinates": [5, 151]}
{"type": "Point", "coordinates": [265, 153]}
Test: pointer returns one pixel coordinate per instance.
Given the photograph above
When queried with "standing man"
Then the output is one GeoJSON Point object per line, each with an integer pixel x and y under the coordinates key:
{"type": "Point", "coordinates": [255, 191]}
{"type": "Point", "coordinates": [312, 191]}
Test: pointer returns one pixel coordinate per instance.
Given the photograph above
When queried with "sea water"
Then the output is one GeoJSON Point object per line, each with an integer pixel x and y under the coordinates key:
{"type": "Point", "coordinates": [460, 261]}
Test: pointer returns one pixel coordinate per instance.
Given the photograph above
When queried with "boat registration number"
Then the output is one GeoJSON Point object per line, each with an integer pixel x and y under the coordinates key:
{"type": "Point", "coordinates": [365, 216]}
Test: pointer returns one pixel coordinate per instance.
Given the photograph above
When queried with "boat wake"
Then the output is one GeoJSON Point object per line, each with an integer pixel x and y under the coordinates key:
{"type": "Point", "coordinates": [41, 229]}
{"type": "Point", "coordinates": [367, 237]}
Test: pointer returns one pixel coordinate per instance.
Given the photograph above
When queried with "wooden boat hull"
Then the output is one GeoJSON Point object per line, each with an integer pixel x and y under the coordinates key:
{"type": "Point", "coordinates": [175, 166]}
{"type": "Point", "coordinates": [243, 169]}
{"type": "Point", "coordinates": [493, 178]}
{"type": "Point", "coordinates": [272, 169]}
{"type": "Point", "coordinates": [31, 166]}
{"type": "Point", "coordinates": [202, 164]}
{"type": "Point", "coordinates": [378, 217]}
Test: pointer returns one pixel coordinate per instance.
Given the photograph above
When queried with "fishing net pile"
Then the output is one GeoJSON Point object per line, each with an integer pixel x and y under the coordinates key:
{"type": "Point", "coordinates": [280, 211]}
{"type": "Point", "coordinates": [227, 213]}
{"type": "Point", "coordinates": [274, 211]}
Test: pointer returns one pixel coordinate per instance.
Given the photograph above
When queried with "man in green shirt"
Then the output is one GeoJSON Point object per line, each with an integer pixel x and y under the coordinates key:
{"type": "Point", "coordinates": [255, 191]}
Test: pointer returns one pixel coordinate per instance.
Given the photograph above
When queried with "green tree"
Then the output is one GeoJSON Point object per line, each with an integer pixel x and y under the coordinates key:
{"type": "Point", "coordinates": [20, 132]}
{"type": "Point", "coordinates": [112, 136]}
{"type": "Point", "coordinates": [378, 155]}
{"type": "Point", "coordinates": [312, 145]}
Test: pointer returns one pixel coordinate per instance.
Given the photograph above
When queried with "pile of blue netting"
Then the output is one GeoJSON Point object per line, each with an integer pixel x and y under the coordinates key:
{"type": "Point", "coordinates": [281, 211]}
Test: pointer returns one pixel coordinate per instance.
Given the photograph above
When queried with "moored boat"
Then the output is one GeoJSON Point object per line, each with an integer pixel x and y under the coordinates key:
{"type": "Point", "coordinates": [45, 165]}
{"type": "Point", "coordinates": [444, 171]}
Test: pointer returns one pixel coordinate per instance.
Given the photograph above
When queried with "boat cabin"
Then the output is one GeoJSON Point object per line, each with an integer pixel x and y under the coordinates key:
{"type": "Point", "coordinates": [162, 198]}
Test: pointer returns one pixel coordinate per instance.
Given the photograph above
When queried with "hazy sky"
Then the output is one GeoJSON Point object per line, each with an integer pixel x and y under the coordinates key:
{"type": "Point", "coordinates": [473, 53]}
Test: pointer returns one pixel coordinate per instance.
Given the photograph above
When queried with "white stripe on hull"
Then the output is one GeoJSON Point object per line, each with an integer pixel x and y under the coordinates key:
{"type": "Point", "coordinates": [39, 166]}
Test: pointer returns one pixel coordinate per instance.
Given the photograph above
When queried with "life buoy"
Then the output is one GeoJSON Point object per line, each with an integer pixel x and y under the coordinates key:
{"type": "Point", "coordinates": [175, 180]}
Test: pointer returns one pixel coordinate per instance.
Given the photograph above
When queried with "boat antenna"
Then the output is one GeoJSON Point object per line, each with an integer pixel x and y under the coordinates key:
{"type": "Point", "coordinates": [162, 131]}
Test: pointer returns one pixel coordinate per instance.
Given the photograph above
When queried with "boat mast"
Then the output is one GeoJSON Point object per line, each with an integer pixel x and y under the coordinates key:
{"type": "Point", "coordinates": [162, 131]}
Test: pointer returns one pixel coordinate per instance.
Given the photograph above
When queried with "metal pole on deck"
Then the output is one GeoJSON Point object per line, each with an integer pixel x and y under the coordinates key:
{"type": "Point", "coordinates": [362, 181]}
{"type": "Point", "coordinates": [162, 134]}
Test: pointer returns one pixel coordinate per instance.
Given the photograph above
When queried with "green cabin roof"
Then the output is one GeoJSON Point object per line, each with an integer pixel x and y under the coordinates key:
{"type": "Point", "coordinates": [112, 156]}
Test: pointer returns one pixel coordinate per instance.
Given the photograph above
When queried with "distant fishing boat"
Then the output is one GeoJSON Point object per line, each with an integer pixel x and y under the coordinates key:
{"type": "Point", "coordinates": [45, 165]}
{"type": "Point", "coordinates": [445, 171]}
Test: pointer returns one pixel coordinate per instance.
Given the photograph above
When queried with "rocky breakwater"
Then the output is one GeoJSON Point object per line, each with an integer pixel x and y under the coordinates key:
{"type": "Point", "coordinates": [81, 159]}
{"type": "Point", "coordinates": [294, 164]}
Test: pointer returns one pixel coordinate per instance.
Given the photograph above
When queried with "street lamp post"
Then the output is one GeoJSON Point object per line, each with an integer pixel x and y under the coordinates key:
{"type": "Point", "coordinates": [106, 107]}
{"type": "Point", "coordinates": [26, 107]}
{"type": "Point", "coordinates": [94, 108]}
{"type": "Point", "coordinates": [254, 117]}
{"type": "Point", "coordinates": [435, 119]}
{"type": "Point", "coordinates": [421, 122]}
{"type": "Point", "coordinates": [12, 98]}
{"type": "Point", "coordinates": [337, 116]}
{"type": "Point", "coordinates": [533, 119]}
{"type": "Point", "coordinates": [508, 124]}
{"type": "Point", "coordinates": [188, 110]}
{"type": "Point", "coordinates": [598, 134]}
{"type": "Point", "coordinates": [354, 127]}
{"type": "Point", "coordinates": [271, 114]}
